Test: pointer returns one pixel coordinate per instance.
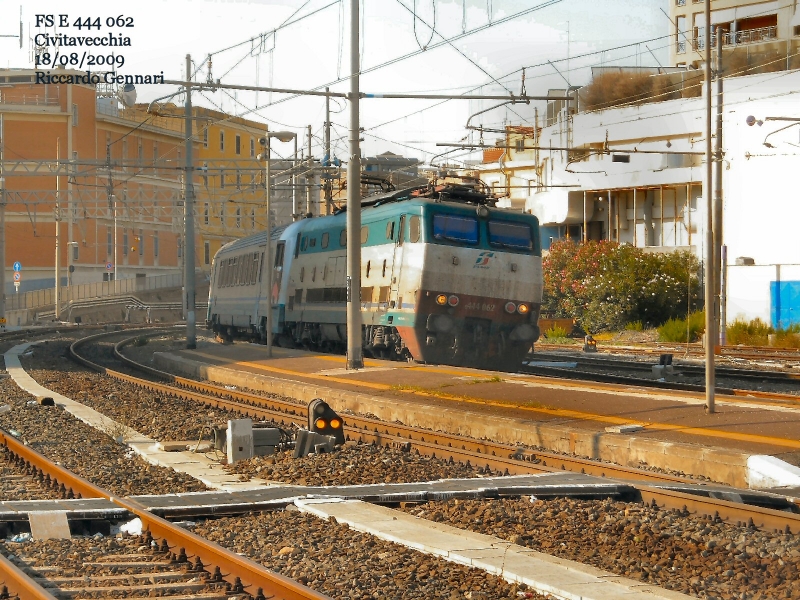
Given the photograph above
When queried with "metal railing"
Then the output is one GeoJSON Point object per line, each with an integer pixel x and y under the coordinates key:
{"type": "Point", "coordinates": [101, 289]}
{"type": "Point", "coordinates": [30, 97]}
{"type": "Point", "coordinates": [680, 2]}
{"type": "Point", "coordinates": [740, 38]}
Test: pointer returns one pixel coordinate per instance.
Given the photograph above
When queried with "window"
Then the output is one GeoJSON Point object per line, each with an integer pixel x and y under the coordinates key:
{"type": "Point", "coordinates": [206, 213]}
{"type": "Point", "coordinates": [324, 241]}
{"type": "Point", "coordinates": [364, 235]}
{"type": "Point", "coordinates": [74, 115]}
{"type": "Point", "coordinates": [463, 230]}
{"type": "Point", "coordinates": [180, 248]}
{"type": "Point", "coordinates": [390, 230]}
{"type": "Point", "coordinates": [252, 218]}
{"type": "Point", "coordinates": [109, 241]}
{"type": "Point", "coordinates": [252, 148]}
{"type": "Point", "coordinates": [238, 217]}
{"type": "Point", "coordinates": [506, 234]}
{"type": "Point", "coordinates": [205, 137]}
{"type": "Point", "coordinates": [343, 238]}
{"type": "Point", "coordinates": [155, 244]}
{"type": "Point", "coordinates": [221, 140]}
{"type": "Point", "coordinates": [796, 30]}
{"type": "Point", "coordinates": [519, 145]}
{"type": "Point", "coordinates": [238, 144]}
{"type": "Point", "coordinates": [680, 33]}
{"type": "Point", "coordinates": [238, 179]}
{"type": "Point", "coordinates": [141, 242]}
{"type": "Point", "coordinates": [206, 253]}
{"type": "Point", "coordinates": [125, 242]}
{"type": "Point", "coordinates": [414, 228]}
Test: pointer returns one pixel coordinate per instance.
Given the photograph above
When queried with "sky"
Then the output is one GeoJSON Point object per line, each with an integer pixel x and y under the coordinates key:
{"type": "Point", "coordinates": [254, 42]}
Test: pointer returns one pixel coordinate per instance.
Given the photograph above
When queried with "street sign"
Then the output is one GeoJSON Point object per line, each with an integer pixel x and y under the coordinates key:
{"type": "Point", "coordinates": [17, 276]}
{"type": "Point", "coordinates": [16, 286]}
{"type": "Point", "coordinates": [17, 266]}
{"type": "Point", "coordinates": [109, 267]}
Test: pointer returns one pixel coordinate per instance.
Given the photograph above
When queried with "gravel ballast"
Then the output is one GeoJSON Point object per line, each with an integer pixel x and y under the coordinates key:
{"type": "Point", "coordinates": [679, 552]}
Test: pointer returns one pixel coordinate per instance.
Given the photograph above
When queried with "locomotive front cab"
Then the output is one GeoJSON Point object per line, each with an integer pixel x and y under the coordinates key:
{"type": "Point", "coordinates": [481, 288]}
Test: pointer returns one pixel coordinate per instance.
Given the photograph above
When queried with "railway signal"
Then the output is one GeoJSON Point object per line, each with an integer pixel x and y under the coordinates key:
{"type": "Point", "coordinates": [323, 419]}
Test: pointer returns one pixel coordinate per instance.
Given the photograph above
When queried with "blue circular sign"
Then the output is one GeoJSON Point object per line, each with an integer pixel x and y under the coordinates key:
{"type": "Point", "coordinates": [17, 266]}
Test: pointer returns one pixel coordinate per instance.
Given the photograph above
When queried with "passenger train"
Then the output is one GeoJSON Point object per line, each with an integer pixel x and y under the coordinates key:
{"type": "Point", "coordinates": [446, 278]}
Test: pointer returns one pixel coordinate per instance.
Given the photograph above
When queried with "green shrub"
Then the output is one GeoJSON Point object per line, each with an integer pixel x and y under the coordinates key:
{"type": "Point", "coordinates": [555, 332]}
{"type": "Point", "coordinates": [604, 285]}
{"type": "Point", "coordinates": [756, 333]}
{"type": "Point", "coordinates": [634, 326]}
{"type": "Point", "coordinates": [675, 330]}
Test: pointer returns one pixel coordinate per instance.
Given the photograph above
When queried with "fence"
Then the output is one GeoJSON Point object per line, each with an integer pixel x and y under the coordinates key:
{"type": "Point", "coordinates": [101, 289]}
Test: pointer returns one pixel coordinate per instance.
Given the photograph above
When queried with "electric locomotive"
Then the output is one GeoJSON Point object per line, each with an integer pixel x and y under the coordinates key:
{"type": "Point", "coordinates": [446, 278]}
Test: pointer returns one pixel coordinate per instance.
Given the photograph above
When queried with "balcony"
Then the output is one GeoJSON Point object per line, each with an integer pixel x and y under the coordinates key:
{"type": "Point", "coordinates": [740, 38]}
{"type": "Point", "coordinates": [680, 2]}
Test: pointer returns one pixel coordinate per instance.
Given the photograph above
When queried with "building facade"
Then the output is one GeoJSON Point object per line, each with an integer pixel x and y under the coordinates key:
{"type": "Point", "coordinates": [637, 175]}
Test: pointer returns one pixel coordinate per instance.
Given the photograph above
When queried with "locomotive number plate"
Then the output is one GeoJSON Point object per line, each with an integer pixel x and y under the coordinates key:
{"type": "Point", "coordinates": [480, 306]}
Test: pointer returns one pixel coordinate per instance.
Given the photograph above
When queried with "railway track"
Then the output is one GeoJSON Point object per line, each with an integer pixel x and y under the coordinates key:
{"type": "Point", "coordinates": [500, 458]}
{"type": "Point", "coordinates": [730, 381]}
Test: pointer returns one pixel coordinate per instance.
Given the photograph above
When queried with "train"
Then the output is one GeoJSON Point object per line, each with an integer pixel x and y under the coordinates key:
{"type": "Point", "coordinates": [447, 277]}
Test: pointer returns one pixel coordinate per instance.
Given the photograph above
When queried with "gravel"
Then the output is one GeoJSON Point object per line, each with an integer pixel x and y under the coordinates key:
{"type": "Point", "coordinates": [691, 555]}
{"type": "Point", "coordinates": [353, 465]}
{"type": "Point", "coordinates": [84, 450]}
{"type": "Point", "coordinates": [335, 560]}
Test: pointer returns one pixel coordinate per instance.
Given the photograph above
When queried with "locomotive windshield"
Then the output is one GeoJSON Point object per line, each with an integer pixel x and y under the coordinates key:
{"type": "Point", "coordinates": [510, 235]}
{"type": "Point", "coordinates": [456, 229]}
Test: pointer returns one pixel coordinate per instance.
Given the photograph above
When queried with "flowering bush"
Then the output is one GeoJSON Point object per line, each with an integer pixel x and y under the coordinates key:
{"type": "Point", "coordinates": [605, 285]}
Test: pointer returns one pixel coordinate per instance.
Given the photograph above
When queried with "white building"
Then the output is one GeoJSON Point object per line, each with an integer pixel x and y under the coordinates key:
{"type": "Point", "coordinates": [637, 174]}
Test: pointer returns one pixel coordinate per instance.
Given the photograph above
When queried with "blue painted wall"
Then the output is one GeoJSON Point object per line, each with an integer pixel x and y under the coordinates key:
{"type": "Point", "coordinates": [784, 303]}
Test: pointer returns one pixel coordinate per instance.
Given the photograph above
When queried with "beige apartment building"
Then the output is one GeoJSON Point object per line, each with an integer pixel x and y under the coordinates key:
{"type": "Point", "coordinates": [764, 35]}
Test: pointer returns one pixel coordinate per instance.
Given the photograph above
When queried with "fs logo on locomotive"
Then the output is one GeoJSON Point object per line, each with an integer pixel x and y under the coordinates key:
{"type": "Point", "coordinates": [482, 262]}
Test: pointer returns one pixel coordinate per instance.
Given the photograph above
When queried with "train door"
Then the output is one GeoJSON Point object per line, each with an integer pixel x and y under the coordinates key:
{"type": "Point", "coordinates": [395, 293]}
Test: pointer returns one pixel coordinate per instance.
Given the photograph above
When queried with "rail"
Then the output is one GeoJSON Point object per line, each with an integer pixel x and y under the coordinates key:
{"type": "Point", "coordinates": [499, 457]}
{"type": "Point", "coordinates": [31, 97]}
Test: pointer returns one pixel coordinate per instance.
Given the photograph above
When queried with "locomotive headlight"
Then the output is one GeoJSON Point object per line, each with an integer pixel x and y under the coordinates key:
{"type": "Point", "coordinates": [453, 300]}
{"type": "Point", "coordinates": [441, 299]}
{"type": "Point", "coordinates": [523, 309]}
{"type": "Point", "coordinates": [511, 308]}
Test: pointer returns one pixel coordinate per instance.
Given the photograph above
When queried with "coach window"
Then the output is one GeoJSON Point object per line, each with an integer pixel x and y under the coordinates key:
{"type": "Point", "coordinates": [414, 229]}
{"type": "Point", "coordinates": [401, 230]}
{"type": "Point", "coordinates": [462, 230]}
{"type": "Point", "coordinates": [390, 230]}
{"type": "Point", "coordinates": [206, 253]}
{"type": "Point", "coordinates": [364, 235]}
{"type": "Point", "coordinates": [304, 244]}
{"type": "Point", "coordinates": [324, 241]}
{"type": "Point", "coordinates": [221, 139]}
{"type": "Point", "coordinates": [343, 238]}
{"type": "Point", "coordinates": [312, 242]}
{"type": "Point", "coordinates": [368, 266]}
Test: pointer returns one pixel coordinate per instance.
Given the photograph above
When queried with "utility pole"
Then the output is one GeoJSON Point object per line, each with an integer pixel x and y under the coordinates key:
{"type": "Point", "coordinates": [327, 161]}
{"type": "Point", "coordinates": [2, 221]}
{"type": "Point", "coordinates": [309, 175]}
{"type": "Point", "coordinates": [708, 267]}
{"type": "Point", "coordinates": [354, 358]}
{"type": "Point", "coordinates": [717, 215]}
{"type": "Point", "coordinates": [57, 215]}
{"type": "Point", "coordinates": [188, 216]}
{"type": "Point", "coordinates": [268, 250]}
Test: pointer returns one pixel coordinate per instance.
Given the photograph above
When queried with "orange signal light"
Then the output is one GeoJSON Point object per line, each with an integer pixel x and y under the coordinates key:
{"type": "Point", "coordinates": [336, 423]}
{"type": "Point", "coordinates": [320, 423]}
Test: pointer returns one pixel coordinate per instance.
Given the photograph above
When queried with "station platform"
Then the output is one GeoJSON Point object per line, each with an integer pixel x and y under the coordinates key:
{"type": "Point", "coordinates": [746, 442]}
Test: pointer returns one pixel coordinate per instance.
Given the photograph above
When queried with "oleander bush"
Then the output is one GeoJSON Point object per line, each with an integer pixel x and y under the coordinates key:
{"type": "Point", "coordinates": [604, 285]}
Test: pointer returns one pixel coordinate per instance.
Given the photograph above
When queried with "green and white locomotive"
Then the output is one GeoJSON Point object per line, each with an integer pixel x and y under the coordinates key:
{"type": "Point", "coordinates": [446, 278]}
